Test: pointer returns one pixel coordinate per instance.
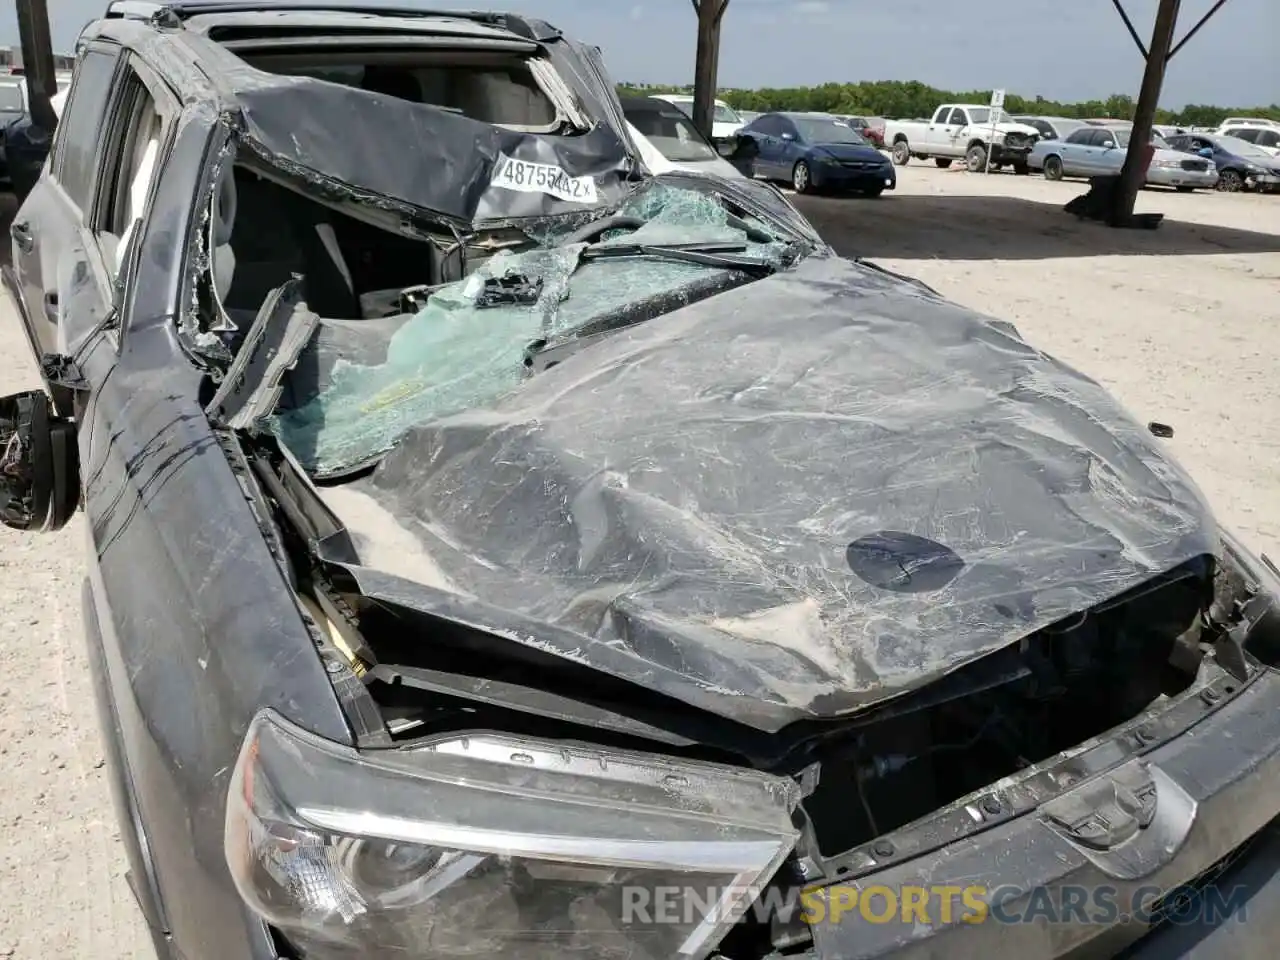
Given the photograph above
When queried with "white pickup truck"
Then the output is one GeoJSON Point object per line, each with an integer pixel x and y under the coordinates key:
{"type": "Point", "coordinates": [963, 131]}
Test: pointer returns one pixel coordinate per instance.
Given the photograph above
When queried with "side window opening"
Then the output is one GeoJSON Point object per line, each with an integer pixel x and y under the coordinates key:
{"type": "Point", "coordinates": [131, 151]}
{"type": "Point", "coordinates": [514, 91]}
{"type": "Point", "coordinates": [74, 153]}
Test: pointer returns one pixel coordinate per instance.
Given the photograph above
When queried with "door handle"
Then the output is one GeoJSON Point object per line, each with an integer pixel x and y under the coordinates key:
{"type": "Point", "coordinates": [51, 307]}
{"type": "Point", "coordinates": [21, 233]}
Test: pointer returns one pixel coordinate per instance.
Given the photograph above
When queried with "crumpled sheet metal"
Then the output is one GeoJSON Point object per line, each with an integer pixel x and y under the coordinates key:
{"type": "Point", "coordinates": [378, 379]}
{"type": "Point", "coordinates": [417, 154]}
{"type": "Point", "coordinates": [676, 502]}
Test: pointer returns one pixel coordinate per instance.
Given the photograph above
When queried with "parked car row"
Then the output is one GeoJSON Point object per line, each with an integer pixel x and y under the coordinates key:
{"type": "Point", "coordinates": [1182, 160]}
{"type": "Point", "coordinates": [1092, 151]}
{"type": "Point", "coordinates": [808, 151]}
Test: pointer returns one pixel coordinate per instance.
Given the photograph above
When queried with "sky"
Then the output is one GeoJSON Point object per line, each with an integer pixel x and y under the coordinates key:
{"type": "Point", "coordinates": [1059, 49]}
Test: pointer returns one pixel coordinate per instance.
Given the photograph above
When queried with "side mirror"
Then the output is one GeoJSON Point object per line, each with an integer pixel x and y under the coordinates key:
{"type": "Point", "coordinates": [726, 148]}
{"type": "Point", "coordinates": [748, 148]}
{"type": "Point", "coordinates": [1108, 144]}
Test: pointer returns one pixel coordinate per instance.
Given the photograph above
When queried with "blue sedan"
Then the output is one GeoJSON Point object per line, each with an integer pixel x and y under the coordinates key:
{"type": "Point", "coordinates": [814, 151]}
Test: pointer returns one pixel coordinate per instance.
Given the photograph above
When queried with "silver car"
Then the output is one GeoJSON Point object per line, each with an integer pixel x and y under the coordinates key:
{"type": "Point", "coordinates": [1099, 151]}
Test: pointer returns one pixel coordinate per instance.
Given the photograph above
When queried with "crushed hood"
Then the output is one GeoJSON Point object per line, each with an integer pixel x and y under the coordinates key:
{"type": "Point", "coordinates": [794, 499]}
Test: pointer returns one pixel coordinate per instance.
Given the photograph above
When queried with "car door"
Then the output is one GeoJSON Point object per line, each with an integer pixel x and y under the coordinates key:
{"type": "Point", "coordinates": [1108, 156]}
{"type": "Point", "coordinates": [764, 130]}
{"type": "Point", "coordinates": [1075, 160]}
{"type": "Point", "coordinates": [957, 134]}
{"type": "Point", "coordinates": [791, 147]}
{"type": "Point", "coordinates": [936, 132]}
{"type": "Point", "coordinates": [51, 245]}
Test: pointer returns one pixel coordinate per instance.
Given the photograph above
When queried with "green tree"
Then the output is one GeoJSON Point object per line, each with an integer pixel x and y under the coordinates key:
{"type": "Point", "coordinates": [910, 98]}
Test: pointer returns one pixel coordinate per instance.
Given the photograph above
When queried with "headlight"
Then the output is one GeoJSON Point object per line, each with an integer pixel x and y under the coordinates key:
{"type": "Point", "coordinates": [494, 846]}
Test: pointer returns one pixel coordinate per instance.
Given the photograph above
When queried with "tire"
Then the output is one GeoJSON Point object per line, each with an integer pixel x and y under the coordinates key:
{"type": "Point", "coordinates": [901, 152]}
{"type": "Point", "coordinates": [1021, 169]}
{"type": "Point", "coordinates": [872, 192]}
{"type": "Point", "coordinates": [1053, 167]}
{"type": "Point", "coordinates": [1230, 181]}
{"type": "Point", "coordinates": [801, 179]}
{"type": "Point", "coordinates": [943, 162]}
{"type": "Point", "coordinates": [975, 158]}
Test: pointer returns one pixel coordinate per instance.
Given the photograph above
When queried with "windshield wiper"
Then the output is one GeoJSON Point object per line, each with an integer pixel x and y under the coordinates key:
{"type": "Point", "coordinates": [706, 254]}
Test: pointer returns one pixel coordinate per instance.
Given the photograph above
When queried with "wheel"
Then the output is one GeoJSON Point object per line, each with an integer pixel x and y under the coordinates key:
{"type": "Point", "coordinates": [943, 162]}
{"type": "Point", "coordinates": [901, 152]}
{"type": "Point", "coordinates": [800, 178]}
{"type": "Point", "coordinates": [1053, 168]}
{"type": "Point", "coordinates": [975, 159]}
{"type": "Point", "coordinates": [872, 192]}
{"type": "Point", "coordinates": [1184, 189]}
{"type": "Point", "coordinates": [1230, 181]}
{"type": "Point", "coordinates": [1021, 169]}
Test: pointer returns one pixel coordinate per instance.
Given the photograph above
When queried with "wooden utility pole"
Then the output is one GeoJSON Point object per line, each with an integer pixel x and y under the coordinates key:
{"type": "Point", "coordinates": [710, 13]}
{"type": "Point", "coordinates": [37, 59]}
{"type": "Point", "coordinates": [1135, 161]}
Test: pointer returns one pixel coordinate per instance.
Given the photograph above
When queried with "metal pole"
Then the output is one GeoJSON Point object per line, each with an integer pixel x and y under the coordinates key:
{"type": "Point", "coordinates": [1134, 171]}
{"type": "Point", "coordinates": [37, 59]}
{"type": "Point", "coordinates": [708, 56]}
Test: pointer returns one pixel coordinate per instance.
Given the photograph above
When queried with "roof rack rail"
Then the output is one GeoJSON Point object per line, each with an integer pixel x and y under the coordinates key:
{"type": "Point", "coordinates": [152, 11]}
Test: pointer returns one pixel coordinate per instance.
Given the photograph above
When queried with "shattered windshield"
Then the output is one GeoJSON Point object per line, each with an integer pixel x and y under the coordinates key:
{"type": "Point", "coordinates": [361, 385]}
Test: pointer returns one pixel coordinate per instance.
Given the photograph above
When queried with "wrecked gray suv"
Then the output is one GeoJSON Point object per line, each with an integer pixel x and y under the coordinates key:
{"type": "Point", "coordinates": [498, 552]}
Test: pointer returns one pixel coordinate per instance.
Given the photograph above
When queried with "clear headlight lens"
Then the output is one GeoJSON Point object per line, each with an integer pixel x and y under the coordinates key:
{"type": "Point", "coordinates": [494, 846]}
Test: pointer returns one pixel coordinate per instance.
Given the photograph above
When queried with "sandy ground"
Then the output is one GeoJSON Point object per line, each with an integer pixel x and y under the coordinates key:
{"type": "Point", "coordinates": [1182, 324]}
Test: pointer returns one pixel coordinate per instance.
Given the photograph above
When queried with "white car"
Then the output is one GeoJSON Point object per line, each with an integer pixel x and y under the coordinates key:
{"type": "Point", "coordinates": [725, 121]}
{"type": "Point", "coordinates": [668, 140]}
{"type": "Point", "coordinates": [1264, 134]}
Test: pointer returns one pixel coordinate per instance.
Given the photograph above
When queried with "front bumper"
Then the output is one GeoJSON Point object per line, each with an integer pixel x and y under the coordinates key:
{"type": "Point", "coordinates": [1265, 182]}
{"type": "Point", "coordinates": [839, 177]}
{"type": "Point", "coordinates": [1177, 177]}
{"type": "Point", "coordinates": [1003, 153]}
{"type": "Point", "coordinates": [1210, 787]}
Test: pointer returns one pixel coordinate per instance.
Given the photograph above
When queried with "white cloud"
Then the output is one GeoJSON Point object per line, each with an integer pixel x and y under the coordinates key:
{"type": "Point", "coordinates": [637, 12]}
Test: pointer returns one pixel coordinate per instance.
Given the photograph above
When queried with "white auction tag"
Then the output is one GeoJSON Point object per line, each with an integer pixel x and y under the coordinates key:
{"type": "Point", "coordinates": [528, 177]}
